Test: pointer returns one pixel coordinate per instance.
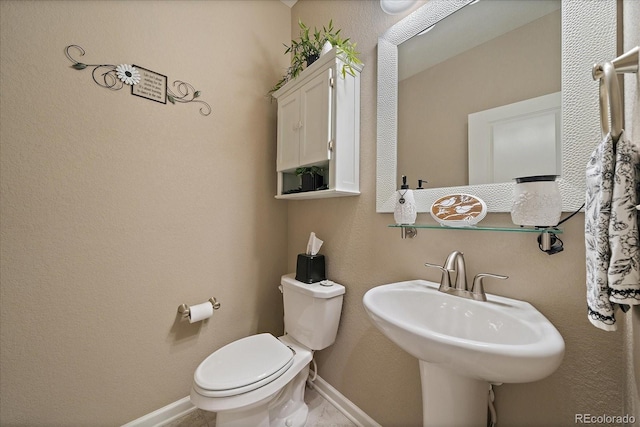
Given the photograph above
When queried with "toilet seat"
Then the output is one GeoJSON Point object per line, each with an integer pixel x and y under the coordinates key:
{"type": "Point", "coordinates": [242, 366]}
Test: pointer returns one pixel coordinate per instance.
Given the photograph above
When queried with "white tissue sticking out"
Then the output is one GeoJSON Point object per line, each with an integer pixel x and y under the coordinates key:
{"type": "Point", "coordinates": [314, 244]}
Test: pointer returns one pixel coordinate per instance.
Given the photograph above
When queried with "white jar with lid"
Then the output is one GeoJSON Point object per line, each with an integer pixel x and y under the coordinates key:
{"type": "Point", "coordinates": [536, 201]}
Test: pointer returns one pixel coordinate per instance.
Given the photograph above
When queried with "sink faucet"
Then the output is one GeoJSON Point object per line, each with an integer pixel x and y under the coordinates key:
{"type": "Point", "coordinates": [455, 264]}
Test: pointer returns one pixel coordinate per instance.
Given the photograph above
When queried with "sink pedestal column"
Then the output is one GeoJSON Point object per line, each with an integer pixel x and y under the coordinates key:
{"type": "Point", "coordinates": [452, 400]}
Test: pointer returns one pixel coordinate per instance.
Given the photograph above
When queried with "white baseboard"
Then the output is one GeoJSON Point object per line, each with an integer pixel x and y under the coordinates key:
{"type": "Point", "coordinates": [342, 404]}
{"type": "Point", "coordinates": [165, 415]}
{"type": "Point", "coordinates": [183, 407]}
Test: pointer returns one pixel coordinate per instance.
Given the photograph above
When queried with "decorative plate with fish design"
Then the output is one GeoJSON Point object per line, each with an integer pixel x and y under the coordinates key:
{"type": "Point", "coordinates": [459, 210]}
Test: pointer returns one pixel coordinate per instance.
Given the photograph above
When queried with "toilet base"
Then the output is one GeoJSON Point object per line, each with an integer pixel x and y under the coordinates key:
{"type": "Point", "coordinates": [286, 409]}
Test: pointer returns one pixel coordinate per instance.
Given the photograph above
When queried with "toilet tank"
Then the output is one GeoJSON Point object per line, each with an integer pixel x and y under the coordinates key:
{"type": "Point", "coordinates": [311, 311]}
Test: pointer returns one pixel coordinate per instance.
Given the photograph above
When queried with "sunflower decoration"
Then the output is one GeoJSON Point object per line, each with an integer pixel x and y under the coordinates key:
{"type": "Point", "coordinates": [128, 74]}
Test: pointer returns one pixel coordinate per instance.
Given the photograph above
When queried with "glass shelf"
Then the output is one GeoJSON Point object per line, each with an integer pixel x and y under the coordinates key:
{"type": "Point", "coordinates": [511, 228]}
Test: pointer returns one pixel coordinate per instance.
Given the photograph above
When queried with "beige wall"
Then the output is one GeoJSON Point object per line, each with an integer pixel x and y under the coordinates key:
{"type": "Point", "coordinates": [631, 38]}
{"type": "Point", "coordinates": [362, 252]}
{"type": "Point", "coordinates": [434, 105]}
{"type": "Point", "coordinates": [116, 209]}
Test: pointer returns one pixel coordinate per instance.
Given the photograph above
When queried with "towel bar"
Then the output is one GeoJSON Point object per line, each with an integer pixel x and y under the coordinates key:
{"type": "Point", "coordinates": [606, 73]}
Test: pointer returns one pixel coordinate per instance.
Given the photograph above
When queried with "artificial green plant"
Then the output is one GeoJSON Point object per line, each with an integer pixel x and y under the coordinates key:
{"type": "Point", "coordinates": [308, 47]}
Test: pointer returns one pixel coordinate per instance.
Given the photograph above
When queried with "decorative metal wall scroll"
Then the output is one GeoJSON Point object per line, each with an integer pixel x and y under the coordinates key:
{"type": "Point", "coordinates": [144, 83]}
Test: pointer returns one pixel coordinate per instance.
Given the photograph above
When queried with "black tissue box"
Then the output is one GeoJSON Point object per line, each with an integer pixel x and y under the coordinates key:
{"type": "Point", "coordinates": [310, 268]}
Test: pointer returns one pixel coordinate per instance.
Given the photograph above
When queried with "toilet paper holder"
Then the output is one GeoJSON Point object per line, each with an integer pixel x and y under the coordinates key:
{"type": "Point", "coordinates": [184, 310]}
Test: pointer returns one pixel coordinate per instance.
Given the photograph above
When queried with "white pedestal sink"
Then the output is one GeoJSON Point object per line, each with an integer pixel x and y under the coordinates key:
{"type": "Point", "coordinates": [464, 345]}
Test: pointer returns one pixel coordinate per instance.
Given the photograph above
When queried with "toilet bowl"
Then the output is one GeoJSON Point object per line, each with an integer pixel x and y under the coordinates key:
{"type": "Point", "coordinates": [259, 380]}
{"type": "Point", "coordinates": [251, 408]}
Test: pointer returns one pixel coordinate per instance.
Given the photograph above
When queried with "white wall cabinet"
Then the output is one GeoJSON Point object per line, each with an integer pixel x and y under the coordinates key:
{"type": "Point", "coordinates": [319, 125]}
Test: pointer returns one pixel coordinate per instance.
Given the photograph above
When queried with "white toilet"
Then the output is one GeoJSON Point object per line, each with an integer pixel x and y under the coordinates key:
{"type": "Point", "coordinates": [259, 380]}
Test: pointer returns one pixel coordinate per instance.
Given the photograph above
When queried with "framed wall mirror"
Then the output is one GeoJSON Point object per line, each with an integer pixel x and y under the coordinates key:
{"type": "Point", "coordinates": [453, 59]}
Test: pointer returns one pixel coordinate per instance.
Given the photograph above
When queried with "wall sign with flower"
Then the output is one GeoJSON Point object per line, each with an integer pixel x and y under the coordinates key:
{"type": "Point", "coordinates": [144, 83]}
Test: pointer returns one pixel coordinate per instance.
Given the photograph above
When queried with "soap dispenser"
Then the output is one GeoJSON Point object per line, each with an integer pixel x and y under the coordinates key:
{"type": "Point", "coordinates": [405, 210]}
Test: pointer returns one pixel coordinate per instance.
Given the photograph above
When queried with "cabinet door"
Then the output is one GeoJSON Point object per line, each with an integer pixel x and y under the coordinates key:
{"type": "Point", "coordinates": [316, 119]}
{"type": "Point", "coordinates": [288, 132]}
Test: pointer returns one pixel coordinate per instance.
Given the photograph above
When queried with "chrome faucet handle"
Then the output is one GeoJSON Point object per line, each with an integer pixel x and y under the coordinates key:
{"type": "Point", "coordinates": [445, 281]}
{"type": "Point", "coordinates": [477, 291]}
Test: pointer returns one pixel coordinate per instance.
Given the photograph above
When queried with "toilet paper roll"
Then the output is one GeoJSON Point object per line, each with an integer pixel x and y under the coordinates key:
{"type": "Point", "coordinates": [200, 312]}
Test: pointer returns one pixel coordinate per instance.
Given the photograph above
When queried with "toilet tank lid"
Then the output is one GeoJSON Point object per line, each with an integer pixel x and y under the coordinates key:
{"type": "Point", "coordinates": [316, 290]}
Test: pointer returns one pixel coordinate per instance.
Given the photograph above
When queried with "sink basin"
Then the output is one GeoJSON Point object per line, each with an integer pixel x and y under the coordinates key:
{"type": "Point", "coordinates": [500, 340]}
{"type": "Point", "coordinates": [464, 345]}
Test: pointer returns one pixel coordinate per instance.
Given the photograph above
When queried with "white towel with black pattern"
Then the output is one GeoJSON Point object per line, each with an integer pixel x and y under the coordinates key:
{"type": "Point", "coordinates": [611, 231]}
{"type": "Point", "coordinates": [596, 227]}
{"type": "Point", "coordinates": [624, 266]}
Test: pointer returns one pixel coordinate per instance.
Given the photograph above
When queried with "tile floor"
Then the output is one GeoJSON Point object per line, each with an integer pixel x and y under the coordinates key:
{"type": "Point", "coordinates": [321, 414]}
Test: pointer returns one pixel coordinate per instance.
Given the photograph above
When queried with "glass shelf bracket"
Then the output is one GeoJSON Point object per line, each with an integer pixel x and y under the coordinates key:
{"type": "Point", "coordinates": [547, 240]}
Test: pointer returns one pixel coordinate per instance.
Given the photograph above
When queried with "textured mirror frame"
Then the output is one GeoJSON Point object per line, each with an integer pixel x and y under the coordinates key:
{"type": "Point", "coordinates": [588, 36]}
